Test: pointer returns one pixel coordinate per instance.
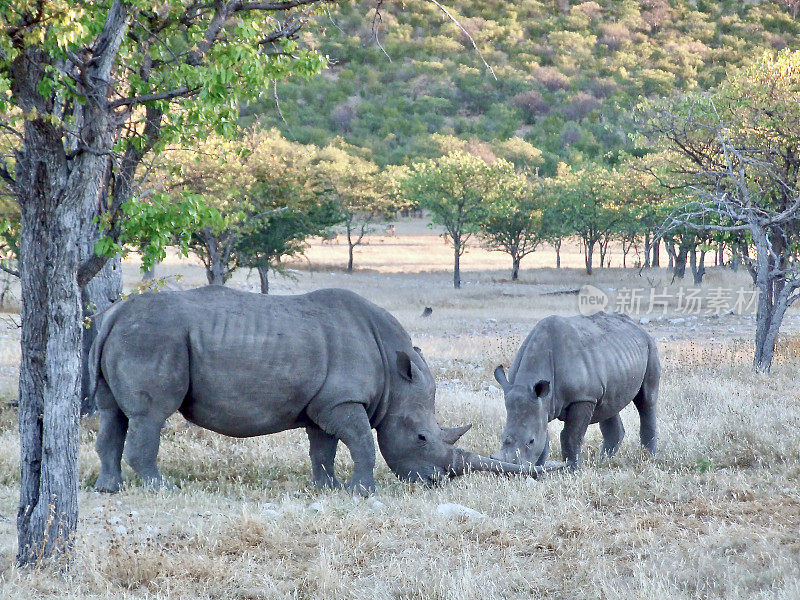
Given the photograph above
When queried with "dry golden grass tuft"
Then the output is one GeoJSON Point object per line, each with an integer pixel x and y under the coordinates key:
{"type": "Point", "coordinates": [716, 515]}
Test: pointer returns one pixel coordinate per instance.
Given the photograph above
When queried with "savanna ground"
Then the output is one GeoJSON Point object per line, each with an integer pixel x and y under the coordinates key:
{"type": "Point", "coordinates": [716, 515]}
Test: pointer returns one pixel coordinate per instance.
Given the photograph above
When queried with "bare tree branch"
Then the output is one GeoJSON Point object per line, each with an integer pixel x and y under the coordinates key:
{"type": "Point", "coordinates": [466, 33]}
{"type": "Point", "coordinates": [13, 272]}
{"type": "Point", "coordinates": [181, 92]}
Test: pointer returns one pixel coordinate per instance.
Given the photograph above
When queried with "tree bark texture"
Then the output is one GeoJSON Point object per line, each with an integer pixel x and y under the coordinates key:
{"type": "Point", "coordinates": [456, 263]}
{"type": "Point", "coordinates": [515, 268]}
{"type": "Point", "coordinates": [349, 256]}
{"type": "Point", "coordinates": [217, 252]}
{"type": "Point", "coordinates": [656, 247]}
{"type": "Point", "coordinates": [557, 246]}
{"type": "Point", "coordinates": [263, 276]}
{"type": "Point", "coordinates": [588, 252]}
{"type": "Point", "coordinates": [698, 267]}
{"type": "Point", "coordinates": [55, 179]}
{"type": "Point", "coordinates": [679, 267]}
{"type": "Point", "coordinates": [49, 381]}
{"type": "Point", "coordinates": [102, 291]}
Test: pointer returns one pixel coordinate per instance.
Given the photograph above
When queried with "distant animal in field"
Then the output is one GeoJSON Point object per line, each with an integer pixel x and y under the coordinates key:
{"type": "Point", "coordinates": [245, 364]}
{"type": "Point", "coordinates": [580, 370]}
{"type": "Point", "coordinates": [330, 238]}
{"type": "Point", "coordinates": [427, 312]}
{"type": "Point", "coordinates": [390, 230]}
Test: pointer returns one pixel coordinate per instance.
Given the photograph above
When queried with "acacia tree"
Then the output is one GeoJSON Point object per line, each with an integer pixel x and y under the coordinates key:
{"type": "Point", "coordinates": [282, 234]}
{"type": "Point", "coordinates": [359, 191]}
{"type": "Point", "coordinates": [288, 203]}
{"type": "Point", "coordinates": [217, 173]}
{"type": "Point", "coordinates": [263, 196]}
{"type": "Point", "coordinates": [584, 200]}
{"type": "Point", "coordinates": [513, 219]}
{"type": "Point", "coordinates": [89, 89]}
{"type": "Point", "coordinates": [737, 150]}
{"type": "Point", "coordinates": [456, 190]}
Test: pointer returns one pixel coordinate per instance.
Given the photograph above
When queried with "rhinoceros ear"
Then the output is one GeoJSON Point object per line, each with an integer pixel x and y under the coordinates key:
{"type": "Point", "coordinates": [404, 365]}
{"type": "Point", "coordinates": [500, 376]}
{"type": "Point", "coordinates": [541, 388]}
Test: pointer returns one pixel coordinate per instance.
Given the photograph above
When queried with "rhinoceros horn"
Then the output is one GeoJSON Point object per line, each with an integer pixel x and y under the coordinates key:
{"type": "Point", "coordinates": [465, 461]}
{"type": "Point", "coordinates": [450, 435]}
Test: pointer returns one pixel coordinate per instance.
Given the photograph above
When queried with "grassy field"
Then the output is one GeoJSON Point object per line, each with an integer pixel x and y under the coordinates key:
{"type": "Point", "coordinates": [716, 515]}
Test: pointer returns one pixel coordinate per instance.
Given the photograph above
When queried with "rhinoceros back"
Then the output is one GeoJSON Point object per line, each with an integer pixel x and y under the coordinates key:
{"type": "Point", "coordinates": [253, 363]}
{"type": "Point", "coordinates": [602, 357]}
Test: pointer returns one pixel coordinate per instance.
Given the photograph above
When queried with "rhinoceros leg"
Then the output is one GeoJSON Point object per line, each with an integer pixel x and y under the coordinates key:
{"type": "Point", "coordinates": [647, 400]}
{"type": "Point", "coordinates": [576, 421]}
{"type": "Point", "coordinates": [349, 423]}
{"type": "Point", "coordinates": [110, 440]}
{"type": "Point", "coordinates": [322, 449]}
{"type": "Point", "coordinates": [613, 432]}
{"type": "Point", "coordinates": [646, 405]}
{"type": "Point", "coordinates": [141, 447]}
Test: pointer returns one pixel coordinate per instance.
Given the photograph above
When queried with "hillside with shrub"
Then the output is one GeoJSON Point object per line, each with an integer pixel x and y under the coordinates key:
{"type": "Point", "coordinates": [407, 84]}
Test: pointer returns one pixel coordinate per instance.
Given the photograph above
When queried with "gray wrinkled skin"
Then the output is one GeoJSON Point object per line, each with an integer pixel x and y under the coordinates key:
{"type": "Point", "coordinates": [580, 370]}
{"type": "Point", "coordinates": [245, 364]}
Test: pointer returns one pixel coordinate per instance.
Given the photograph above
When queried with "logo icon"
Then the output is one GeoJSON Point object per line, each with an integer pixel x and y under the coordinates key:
{"type": "Point", "coordinates": [591, 300]}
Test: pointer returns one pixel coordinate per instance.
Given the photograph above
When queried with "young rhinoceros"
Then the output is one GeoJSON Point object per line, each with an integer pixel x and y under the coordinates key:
{"type": "Point", "coordinates": [580, 370]}
{"type": "Point", "coordinates": [246, 364]}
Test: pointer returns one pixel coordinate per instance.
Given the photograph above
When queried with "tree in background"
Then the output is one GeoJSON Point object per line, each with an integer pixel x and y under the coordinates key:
{"type": "Point", "coordinates": [456, 189]}
{"type": "Point", "coordinates": [512, 222]}
{"type": "Point", "coordinates": [584, 200]}
{"type": "Point", "coordinates": [360, 192]}
{"type": "Point", "coordinates": [90, 89]}
{"type": "Point", "coordinates": [217, 173]}
{"type": "Point", "coordinates": [736, 149]}
{"type": "Point", "coordinates": [282, 234]}
{"type": "Point", "coordinates": [265, 196]}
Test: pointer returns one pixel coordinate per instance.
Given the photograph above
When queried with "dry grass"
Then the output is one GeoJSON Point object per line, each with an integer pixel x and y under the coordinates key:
{"type": "Point", "coordinates": [717, 515]}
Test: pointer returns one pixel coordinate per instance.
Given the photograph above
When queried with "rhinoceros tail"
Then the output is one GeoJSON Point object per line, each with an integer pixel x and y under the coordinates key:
{"type": "Point", "coordinates": [106, 322]}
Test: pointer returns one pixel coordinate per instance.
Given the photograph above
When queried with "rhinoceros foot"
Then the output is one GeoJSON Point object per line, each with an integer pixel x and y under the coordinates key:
{"type": "Point", "coordinates": [362, 486]}
{"type": "Point", "coordinates": [326, 483]}
{"type": "Point", "coordinates": [108, 484]}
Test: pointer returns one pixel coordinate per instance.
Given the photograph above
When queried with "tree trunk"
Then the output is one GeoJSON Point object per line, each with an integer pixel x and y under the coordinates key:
{"type": "Point", "coordinates": [588, 251]}
{"type": "Point", "coordinates": [557, 246]}
{"type": "Point", "coordinates": [603, 250]}
{"type": "Point", "coordinates": [671, 253]}
{"type": "Point", "coordinates": [772, 303]}
{"type": "Point", "coordinates": [769, 318]}
{"type": "Point", "coordinates": [679, 267]}
{"type": "Point", "coordinates": [215, 268]}
{"type": "Point", "coordinates": [102, 291]}
{"type": "Point", "coordinates": [647, 247]}
{"type": "Point", "coordinates": [150, 274]}
{"type": "Point", "coordinates": [515, 267]}
{"type": "Point", "coordinates": [263, 275]}
{"type": "Point", "coordinates": [698, 270]}
{"type": "Point", "coordinates": [50, 367]}
{"type": "Point", "coordinates": [656, 246]}
{"type": "Point", "coordinates": [350, 244]}
{"type": "Point", "coordinates": [456, 262]}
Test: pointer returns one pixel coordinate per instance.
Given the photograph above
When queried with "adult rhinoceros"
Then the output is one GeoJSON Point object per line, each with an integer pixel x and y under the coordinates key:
{"type": "Point", "coordinates": [581, 370]}
{"type": "Point", "coordinates": [246, 364]}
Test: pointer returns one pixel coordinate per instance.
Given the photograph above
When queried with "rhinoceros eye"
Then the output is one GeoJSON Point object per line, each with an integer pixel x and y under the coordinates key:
{"type": "Point", "coordinates": [422, 438]}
